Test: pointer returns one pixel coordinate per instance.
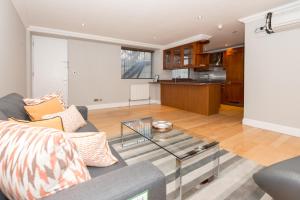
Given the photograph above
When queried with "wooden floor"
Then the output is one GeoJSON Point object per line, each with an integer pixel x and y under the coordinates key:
{"type": "Point", "coordinates": [264, 147]}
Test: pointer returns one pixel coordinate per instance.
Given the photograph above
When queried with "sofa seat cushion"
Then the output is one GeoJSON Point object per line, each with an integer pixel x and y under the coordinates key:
{"type": "Point", "coordinates": [89, 127]}
{"type": "Point", "coordinates": [12, 105]}
{"type": "Point", "coordinates": [98, 171]}
{"type": "Point", "coordinates": [281, 180]}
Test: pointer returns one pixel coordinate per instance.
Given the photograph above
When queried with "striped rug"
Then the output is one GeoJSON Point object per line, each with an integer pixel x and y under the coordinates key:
{"type": "Point", "coordinates": [233, 183]}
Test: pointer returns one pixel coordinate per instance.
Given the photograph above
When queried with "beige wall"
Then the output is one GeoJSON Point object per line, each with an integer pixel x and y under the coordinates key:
{"type": "Point", "coordinates": [272, 76]}
{"type": "Point", "coordinates": [12, 51]}
{"type": "Point", "coordinates": [95, 72]}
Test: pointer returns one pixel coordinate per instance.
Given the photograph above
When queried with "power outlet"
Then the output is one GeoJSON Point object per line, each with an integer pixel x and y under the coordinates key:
{"type": "Point", "coordinates": [97, 100]}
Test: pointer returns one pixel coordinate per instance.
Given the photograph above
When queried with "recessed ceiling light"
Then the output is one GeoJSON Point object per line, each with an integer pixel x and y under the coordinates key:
{"type": "Point", "coordinates": [226, 45]}
{"type": "Point", "coordinates": [220, 26]}
{"type": "Point", "coordinates": [83, 25]}
{"type": "Point", "coordinates": [200, 17]}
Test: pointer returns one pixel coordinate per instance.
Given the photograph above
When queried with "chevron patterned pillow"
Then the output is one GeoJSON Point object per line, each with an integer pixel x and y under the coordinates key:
{"type": "Point", "coordinates": [47, 97]}
{"type": "Point", "coordinates": [93, 148]}
{"type": "Point", "coordinates": [37, 162]}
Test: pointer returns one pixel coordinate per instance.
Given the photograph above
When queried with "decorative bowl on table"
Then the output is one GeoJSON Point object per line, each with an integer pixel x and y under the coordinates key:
{"type": "Point", "coordinates": [162, 126]}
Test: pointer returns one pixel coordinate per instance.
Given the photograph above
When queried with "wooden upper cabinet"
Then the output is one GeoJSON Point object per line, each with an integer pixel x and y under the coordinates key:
{"type": "Point", "coordinates": [185, 56]}
{"type": "Point", "coordinates": [177, 57]}
{"type": "Point", "coordinates": [203, 60]}
{"type": "Point", "coordinates": [188, 55]}
{"type": "Point", "coordinates": [167, 59]}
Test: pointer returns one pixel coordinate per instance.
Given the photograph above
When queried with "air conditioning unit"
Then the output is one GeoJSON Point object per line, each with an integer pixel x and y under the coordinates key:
{"type": "Point", "coordinates": [281, 21]}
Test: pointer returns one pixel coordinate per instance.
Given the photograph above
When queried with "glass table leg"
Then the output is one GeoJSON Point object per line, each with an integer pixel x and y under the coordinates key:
{"type": "Point", "coordinates": [178, 174]}
{"type": "Point", "coordinates": [217, 162]}
{"type": "Point", "coordinates": [178, 180]}
{"type": "Point", "coordinates": [122, 136]}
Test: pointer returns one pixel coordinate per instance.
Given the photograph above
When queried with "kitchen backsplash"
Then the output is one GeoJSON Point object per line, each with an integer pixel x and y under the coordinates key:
{"type": "Point", "coordinates": [180, 73]}
{"type": "Point", "coordinates": [199, 75]}
{"type": "Point", "coordinates": [205, 75]}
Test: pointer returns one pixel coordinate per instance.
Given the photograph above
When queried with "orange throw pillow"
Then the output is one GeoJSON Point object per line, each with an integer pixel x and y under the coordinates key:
{"type": "Point", "coordinates": [36, 112]}
{"type": "Point", "coordinates": [55, 123]}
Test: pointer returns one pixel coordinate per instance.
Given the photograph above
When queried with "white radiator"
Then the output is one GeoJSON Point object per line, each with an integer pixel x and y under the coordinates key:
{"type": "Point", "coordinates": [139, 92]}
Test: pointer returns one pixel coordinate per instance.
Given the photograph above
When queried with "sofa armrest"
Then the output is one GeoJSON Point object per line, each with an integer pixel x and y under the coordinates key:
{"type": "Point", "coordinates": [281, 180]}
{"type": "Point", "coordinates": [84, 111]}
{"type": "Point", "coordinates": [121, 184]}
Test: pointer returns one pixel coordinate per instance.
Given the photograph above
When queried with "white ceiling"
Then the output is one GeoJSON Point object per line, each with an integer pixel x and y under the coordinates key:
{"type": "Point", "coordinates": [149, 21]}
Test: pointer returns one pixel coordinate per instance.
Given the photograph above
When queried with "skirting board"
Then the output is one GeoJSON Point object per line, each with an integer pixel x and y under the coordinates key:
{"type": "Point", "coordinates": [121, 104]}
{"type": "Point", "coordinates": [272, 127]}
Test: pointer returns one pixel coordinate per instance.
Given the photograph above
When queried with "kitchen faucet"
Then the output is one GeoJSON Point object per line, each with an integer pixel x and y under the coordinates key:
{"type": "Point", "coordinates": [208, 77]}
{"type": "Point", "coordinates": [175, 78]}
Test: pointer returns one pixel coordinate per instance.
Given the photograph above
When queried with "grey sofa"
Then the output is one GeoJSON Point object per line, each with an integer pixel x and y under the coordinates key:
{"type": "Point", "coordinates": [117, 182]}
{"type": "Point", "coordinates": [281, 180]}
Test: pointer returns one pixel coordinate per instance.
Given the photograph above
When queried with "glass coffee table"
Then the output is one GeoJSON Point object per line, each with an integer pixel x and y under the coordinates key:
{"type": "Point", "coordinates": [144, 128]}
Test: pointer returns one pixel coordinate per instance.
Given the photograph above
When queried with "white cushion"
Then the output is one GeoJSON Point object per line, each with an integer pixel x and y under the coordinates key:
{"type": "Point", "coordinates": [71, 118]}
{"type": "Point", "coordinates": [93, 148]}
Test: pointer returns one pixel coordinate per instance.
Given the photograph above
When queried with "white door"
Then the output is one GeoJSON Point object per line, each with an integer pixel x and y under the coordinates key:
{"type": "Point", "coordinates": [50, 66]}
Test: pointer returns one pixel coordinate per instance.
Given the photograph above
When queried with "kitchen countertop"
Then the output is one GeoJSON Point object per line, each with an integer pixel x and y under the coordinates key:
{"type": "Point", "coordinates": [189, 82]}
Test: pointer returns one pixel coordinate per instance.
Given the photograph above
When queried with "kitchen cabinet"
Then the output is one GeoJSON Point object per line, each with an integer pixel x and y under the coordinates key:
{"type": "Point", "coordinates": [167, 59]}
{"type": "Point", "coordinates": [233, 89]}
{"type": "Point", "coordinates": [203, 59]}
{"type": "Point", "coordinates": [177, 57]}
{"type": "Point", "coordinates": [188, 54]}
{"type": "Point", "coordinates": [185, 56]}
{"type": "Point", "coordinates": [202, 98]}
{"type": "Point", "coordinates": [233, 93]}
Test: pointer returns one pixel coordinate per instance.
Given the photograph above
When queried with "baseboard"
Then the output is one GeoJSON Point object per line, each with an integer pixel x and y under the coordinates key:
{"type": "Point", "coordinates": [121, 104]}
{"type": "Point", "coordinates": [272, 127]}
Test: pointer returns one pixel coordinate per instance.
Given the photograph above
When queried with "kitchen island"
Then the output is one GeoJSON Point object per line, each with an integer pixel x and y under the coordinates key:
{"type": "Point", "coordinates": [198, 97]}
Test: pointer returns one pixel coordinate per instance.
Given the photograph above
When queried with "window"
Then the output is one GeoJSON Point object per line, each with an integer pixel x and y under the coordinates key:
{"type": "Point", "coordinates": [136, 64]}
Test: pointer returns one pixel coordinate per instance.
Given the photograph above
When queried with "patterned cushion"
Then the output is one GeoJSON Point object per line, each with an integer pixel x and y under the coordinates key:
{"type": "Point", "coordinates": [36, 112]}
{"type": "Point", "coordinates": [37, 162]}
{"type": "Point", "coordinates": [35, 101]}
{"type": "Point", "coordinates": [93, 148]}
{"type": "Point", "coordinates": [72, 119]}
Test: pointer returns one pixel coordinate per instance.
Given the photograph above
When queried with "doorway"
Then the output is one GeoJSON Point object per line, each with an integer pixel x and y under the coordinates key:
{"type": "Point", "coordinates": [49, 66]}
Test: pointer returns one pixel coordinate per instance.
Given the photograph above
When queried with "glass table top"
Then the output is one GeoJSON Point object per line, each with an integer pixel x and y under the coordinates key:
{"type": "Point", "coordinates": [169, 140]}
